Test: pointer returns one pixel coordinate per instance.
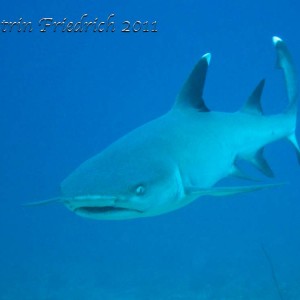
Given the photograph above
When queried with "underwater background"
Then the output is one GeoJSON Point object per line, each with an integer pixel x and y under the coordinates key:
{"type": "Point", "coordinates": [65, 96]}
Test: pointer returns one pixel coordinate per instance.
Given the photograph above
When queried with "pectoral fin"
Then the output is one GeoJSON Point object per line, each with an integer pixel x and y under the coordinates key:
{"type": "Point", "coordinates": [43, 202]}
{"type": "Point", "coordinates": [228, 191]}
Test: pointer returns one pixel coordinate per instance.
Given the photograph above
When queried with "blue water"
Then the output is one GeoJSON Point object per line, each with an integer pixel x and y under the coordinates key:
{"type": "Point", "coordinates": [66, 96]}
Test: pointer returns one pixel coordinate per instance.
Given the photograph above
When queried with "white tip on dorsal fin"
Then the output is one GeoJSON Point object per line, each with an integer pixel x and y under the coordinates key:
{"type": "Point", "coordinates": [276, 39]}
{"type": "Point", "coordinates": [192, 90]}
{"type": "Point", "coordinates": [253, 105]}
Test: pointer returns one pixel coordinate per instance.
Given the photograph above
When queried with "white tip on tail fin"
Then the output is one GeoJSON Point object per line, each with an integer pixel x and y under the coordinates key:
{"type": "Point", "coordinates": [207, 56]}
{"type": "Point", "coordinates": [285, 62]}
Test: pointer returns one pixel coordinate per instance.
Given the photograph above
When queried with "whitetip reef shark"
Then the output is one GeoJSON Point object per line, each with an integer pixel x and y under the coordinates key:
{"type": "Point", "coordinates": [180, 156]}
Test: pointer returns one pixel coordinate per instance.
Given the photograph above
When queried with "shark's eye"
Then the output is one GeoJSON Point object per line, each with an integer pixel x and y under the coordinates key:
{"type": "Point", "coordinates": [140, 190]}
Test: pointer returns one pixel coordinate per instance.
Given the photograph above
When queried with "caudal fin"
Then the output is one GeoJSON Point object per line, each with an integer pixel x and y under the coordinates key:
{"type": "Point", "coordinates": [285, 62]}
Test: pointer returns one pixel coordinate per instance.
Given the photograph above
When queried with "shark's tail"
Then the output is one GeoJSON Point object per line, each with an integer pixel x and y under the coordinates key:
{"type": "Point", "coordinates": [285, 62]}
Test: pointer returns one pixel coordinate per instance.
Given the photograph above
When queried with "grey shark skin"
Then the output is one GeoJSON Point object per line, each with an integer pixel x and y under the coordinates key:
{"type": "Point", "coordinates": [173, 160]}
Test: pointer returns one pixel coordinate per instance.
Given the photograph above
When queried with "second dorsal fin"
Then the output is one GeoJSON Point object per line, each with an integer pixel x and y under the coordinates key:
{"type": "Point", "coordinates": [253, 105]}
{"type": "Point", "coordinates": [192, 90]}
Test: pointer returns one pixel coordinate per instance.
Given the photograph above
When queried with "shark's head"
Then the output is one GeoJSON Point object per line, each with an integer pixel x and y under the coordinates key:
{"type": "Point", "coordinates": [123, 183]}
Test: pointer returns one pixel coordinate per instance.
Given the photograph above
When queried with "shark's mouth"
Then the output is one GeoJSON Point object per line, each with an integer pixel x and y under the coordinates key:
{"type": "Point", "coordinates": [104, 210]}
{"type": "Point", "coordinates": [102, 207]}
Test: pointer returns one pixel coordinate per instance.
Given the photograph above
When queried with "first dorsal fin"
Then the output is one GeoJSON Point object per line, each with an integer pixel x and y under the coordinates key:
{"type": "Point", "coordinates": [253, 105]}
{"type": "Point", "coordinates": [192, 91]}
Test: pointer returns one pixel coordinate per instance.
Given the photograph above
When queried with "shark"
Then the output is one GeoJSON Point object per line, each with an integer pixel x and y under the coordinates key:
{"type": "Point", "coordinates": [182, 155]}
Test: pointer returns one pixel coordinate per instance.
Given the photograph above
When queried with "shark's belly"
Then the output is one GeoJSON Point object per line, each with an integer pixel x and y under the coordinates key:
{"type": "Point", "coordinates": [206, 145]}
